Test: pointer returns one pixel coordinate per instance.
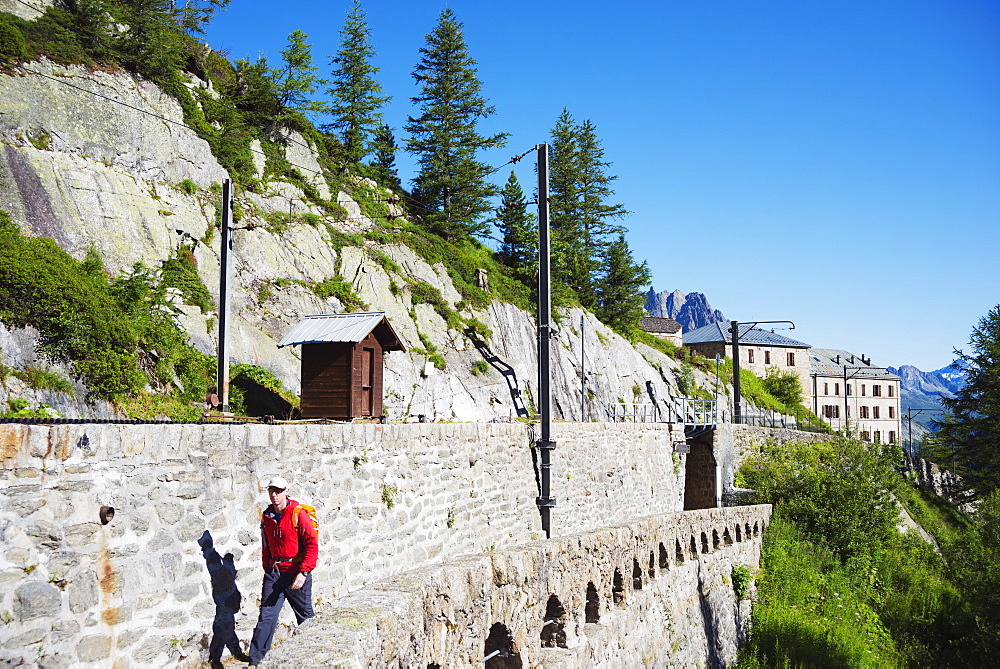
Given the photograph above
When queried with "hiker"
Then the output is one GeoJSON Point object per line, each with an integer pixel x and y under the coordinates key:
{"type": "Point", "coordinates": [288, 554]}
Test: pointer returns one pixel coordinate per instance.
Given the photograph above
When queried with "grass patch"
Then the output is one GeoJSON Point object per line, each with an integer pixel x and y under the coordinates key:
{"type": "Point", "coordinates": [43, 379]}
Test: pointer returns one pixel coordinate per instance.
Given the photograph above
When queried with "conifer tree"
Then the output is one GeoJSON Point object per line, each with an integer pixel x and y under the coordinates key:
{"type": "Point", "coordinates": [519, 248]}
{"type": "Point", "coordinates": [384, 160]}
{"type": "Point", "coordinates": [451, 184]}
{"type": "Point", "coordinates": [295, 81]}
{"type": "Point", "coordinates": [149, 43]}
{"type": "Point", "coordinates": [355, 91]}
{"type": "Point", "coordinates": [620, 291]}
{"type": "Point", "coordinates": [969, 439]}
{"type": "Point", "coordinates": [580, 215]}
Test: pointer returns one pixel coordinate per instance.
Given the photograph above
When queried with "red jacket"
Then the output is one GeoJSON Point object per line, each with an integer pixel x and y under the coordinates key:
{"type": "Point", "coordinates": [283, 546]}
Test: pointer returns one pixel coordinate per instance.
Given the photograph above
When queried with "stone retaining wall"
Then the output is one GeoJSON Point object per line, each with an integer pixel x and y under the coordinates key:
{"type": "Point", "coordinates": [182, 554]}
{"type": "Point", "coordinates": [658, 591]}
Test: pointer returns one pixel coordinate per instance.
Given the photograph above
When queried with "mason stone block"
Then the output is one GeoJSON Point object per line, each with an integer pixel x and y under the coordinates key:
{"type": "Point", "coordinates": [149, 599]}
{"type": "Point", "coordinates": [46, 536]}
{"type": "Point", "coordinates": [36, 600]}
{"type": "Point", "coordinates": [64, 629]}
{"type": "Point", "coordinates": [26, 507]}
{"type": "Point", "coordinates": [82, 534]}
{"type": "Point", "coordinates": [82, 591]}
{"type": "Point", "coordinates": [27, 473]}
{"type": "Point", "coordinates": [165, 619]}
{"type": "Point", "coordinates": [63, 562]}
{"type": "Point", "coordinates": [169, 512]}
{"type": "Point", "coordinates": [187, 592]}
{"type": "Point", "coordinates": [26, 638]}
{"type": "Point", "coordinates": [128, 637]}
{"type": "Point", "coordinates": [55, 661]}
{"type": "Point", "coordinates": [93, 648]}
{"type": "Point", "coordinates": [190, 529]}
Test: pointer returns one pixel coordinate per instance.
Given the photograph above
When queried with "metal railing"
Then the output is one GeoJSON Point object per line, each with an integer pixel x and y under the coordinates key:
{"type": "Point", "coordinates": [694, 411]}
{"type": "Point", "coordinates": [630, 412]}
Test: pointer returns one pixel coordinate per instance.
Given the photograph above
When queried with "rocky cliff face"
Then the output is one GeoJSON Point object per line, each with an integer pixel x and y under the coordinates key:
{"type": "Point", "coordinates": [89, 172]}
{"type": "Point", "coordinates": [692, 311]}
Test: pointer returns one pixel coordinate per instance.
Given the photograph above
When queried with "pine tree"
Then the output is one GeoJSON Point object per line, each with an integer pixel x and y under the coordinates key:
{"type": "Point", "coordinates": [519, 248]}
{"type": "Point", "coordinates": [579, 186]}
{"type": "Point", "coordinates": [452, 183]}
{"type": "Point", "coordinates": [295, 81]}
{"type": "Point", "coordinates": [194, 15]}
{"type": "Point", "coordinates": [355, 92]}
{"type": "Point", "coordinates": [384, 159]}
{"type": "Point", "coordinates": [970, 436]}
{"type": "Point", "coordinates": [150, 43]}
{"type": "Point", "coordinates": [620, 292]}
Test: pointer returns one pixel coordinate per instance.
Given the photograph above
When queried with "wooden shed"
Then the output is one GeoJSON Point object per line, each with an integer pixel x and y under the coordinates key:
{"type": "Point", "coordinates": [342, 363]}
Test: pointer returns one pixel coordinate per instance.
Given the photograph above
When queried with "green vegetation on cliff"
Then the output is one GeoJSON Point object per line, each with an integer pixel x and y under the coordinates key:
{"type": "Point", "coordinates": [840, 585]}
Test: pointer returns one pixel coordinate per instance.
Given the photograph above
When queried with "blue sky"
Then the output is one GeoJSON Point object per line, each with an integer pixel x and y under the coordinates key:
{"type": "Point", "coordinates": [834, 164]}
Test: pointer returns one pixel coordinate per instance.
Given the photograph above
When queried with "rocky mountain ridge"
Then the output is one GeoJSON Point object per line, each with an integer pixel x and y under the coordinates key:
{"type": "Point", "coordinates": [924, 390]}
{"type": "Point", "coordinates": [692, 311]}
{"type": "Point", "coordinates": [90, 173]}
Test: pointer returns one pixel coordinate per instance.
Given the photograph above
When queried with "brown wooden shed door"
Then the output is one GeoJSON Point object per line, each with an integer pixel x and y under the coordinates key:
{"type": "Point", "coordinates": [367, 381]}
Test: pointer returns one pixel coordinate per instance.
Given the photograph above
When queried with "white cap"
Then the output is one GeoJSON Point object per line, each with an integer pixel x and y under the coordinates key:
{"type": "Point", "coordinates": [278, 482]}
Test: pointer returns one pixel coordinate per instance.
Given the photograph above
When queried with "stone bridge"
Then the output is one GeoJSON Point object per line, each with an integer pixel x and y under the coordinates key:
{"type": "Point", "coordinates": [658, 591]}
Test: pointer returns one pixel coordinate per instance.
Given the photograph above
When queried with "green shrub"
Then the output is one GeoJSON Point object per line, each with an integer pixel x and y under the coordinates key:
{"type": "Point", "coordinates": [13, 46]}
{"type": "Point", "coordinates": [339, 288]}
{"type": "Point", "coordinates": [480, 367]}
{"type": "Point", "coordinates": [180, 271]}
{"type": "Point", "coordinates": [42, 379]}
{"type": "Point", "coordinates": [188, 186]}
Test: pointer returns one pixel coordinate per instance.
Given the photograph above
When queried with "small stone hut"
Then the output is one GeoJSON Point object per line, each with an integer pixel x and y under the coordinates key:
{"type": "Point", "coordinates": [342, 363]}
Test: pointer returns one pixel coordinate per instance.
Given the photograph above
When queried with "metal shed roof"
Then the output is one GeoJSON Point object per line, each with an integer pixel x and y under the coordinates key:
{"type": "Point", "coordinates": [719, 332]}
{"type": "Point", "coordinates": [334, 328]}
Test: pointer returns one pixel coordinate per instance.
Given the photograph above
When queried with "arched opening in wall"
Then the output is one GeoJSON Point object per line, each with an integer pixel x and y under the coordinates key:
{"type": "Point", "coordinates": [727, 538]}
{"type": "Point", "coordinates": [664, 559]}
{"type": "Point", "coordinates": [715, 540]}
{"type": "Point", "coordinates": [699, 474]}
{"type": "Point", "coordinates": [554, 626]}
{"type": "Point", "coordinates": [756, 532]}
{"type": "Point", "coordinates": [636, 575]}
{"type": "Point", "coordinates": [592, 611]}
{"type": "Point", "coordinates": [652, 565]}
{"type": "Point", "coordinates": [618, 588]}
{"type": "Point", "coordinates": [704, 543]}
{"type": "Point", "coordinates": [746, 532]}
{"type": "Point", "coordinates": [499, 650]}
{"type": "Point", "coordinates": [433, 665]}
{"type": "Point", "coordinates": [694, 548]}
{"type": "Point", "coordinates": [739, 533]}
{"type": "Point", "coordinates": [679, 553]}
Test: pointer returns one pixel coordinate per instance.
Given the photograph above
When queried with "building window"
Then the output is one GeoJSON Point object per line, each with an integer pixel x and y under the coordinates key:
{"type": "Point", "coordinates": [848, 388]}
{"type": "Point", "coordinates": [878, 437]}
{"type": "Point", "coordinates": [836, 389]}
{"type": "Point", "coordinates": [892, 434]}
{"type": "Point", "coordinates": [791, 359]}
{"type": "Point", "coordinates": [848, 410]}
{"type": "Point", "coordinates": [892, 391]}
{"type": "Point", "coordinates": [826, 388]}
{"type": "Point", "coordinates": [866, 436]}
{"type": "Point", "coordinates": [876, 390]}
{"type": "Point", "coordinates": [862, 390]}
{"type": "Point", "coordinates": [767, 357]}
{"type": "Point", "coordinates": [863, 412]}
{"type": "Point", "coordinates": [892, 412]}
{"type": "Point", "coordinates": [831, 411]}
{"type": "Point", "coordinates": [750, 355]}
{"type": "Point", "coordinates": [875, 413]}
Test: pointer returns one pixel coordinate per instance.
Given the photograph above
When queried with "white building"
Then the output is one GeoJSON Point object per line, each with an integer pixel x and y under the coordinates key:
{"type": "Point", "coordinates": [849, 393]}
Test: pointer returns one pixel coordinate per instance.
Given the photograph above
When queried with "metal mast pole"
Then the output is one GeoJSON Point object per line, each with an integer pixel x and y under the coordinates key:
{"type": "Point", "coordinates": [545, 501]}
{"type": "Point", "coordinates": [583, 373]}
{"type": "Point", "coordinates": [225, 285]}
{"type": "Point", "coordinates": [734, 329]}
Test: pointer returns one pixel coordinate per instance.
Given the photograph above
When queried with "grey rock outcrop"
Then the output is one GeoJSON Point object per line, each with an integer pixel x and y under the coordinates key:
{"type": "Point", "coordinates": [90, 173]}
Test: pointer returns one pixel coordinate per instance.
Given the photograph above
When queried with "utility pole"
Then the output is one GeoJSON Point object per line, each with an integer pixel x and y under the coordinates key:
{"type": "Point", "coordinates": [545, 501]}
{"type": "Point", "coordinates": [583, 373]}
{"type": "Point", "coordinates": [734, 331]}
{"type": "Point", "coordinates": [225, 286]}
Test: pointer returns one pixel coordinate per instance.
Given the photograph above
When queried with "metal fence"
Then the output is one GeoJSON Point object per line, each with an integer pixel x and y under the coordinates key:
{"type": "Point", "coordinates": [694, 411]}
{"type": "Point", "coordinates": [629, 412]}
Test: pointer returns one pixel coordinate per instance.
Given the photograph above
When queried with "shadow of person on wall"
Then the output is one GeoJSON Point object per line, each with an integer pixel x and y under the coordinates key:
{"type": "Point", "coordinates": [227, 598]}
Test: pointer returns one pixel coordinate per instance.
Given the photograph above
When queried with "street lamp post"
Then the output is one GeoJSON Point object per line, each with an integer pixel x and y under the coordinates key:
{"type": "Point", "coordinates": [910, 413]}
{"type": "Point", "coordinates": [734, 330]}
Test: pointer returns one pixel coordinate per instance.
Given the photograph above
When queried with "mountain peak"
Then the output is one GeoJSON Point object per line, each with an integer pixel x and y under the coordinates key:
{"type": "Point", "coordinates": [692, 311]}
